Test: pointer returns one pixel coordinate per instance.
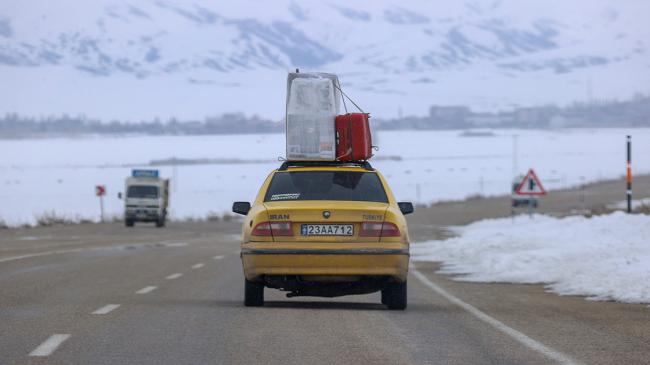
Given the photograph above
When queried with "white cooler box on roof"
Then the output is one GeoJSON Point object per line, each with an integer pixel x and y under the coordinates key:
{"type": "Point", "coordinates": [312, 104]}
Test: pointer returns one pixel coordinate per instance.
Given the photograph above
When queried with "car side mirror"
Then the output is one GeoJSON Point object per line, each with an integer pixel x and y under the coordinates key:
{"type": "Point", "coordinates": [406, 207]}
{"type": "Point", "coordinates": [241, 207]}
{"type": "Point", "coordinates": [119, 195]}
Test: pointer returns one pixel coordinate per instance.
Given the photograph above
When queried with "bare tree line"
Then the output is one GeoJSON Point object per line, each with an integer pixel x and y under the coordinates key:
{"type": "Point", "coordinates": [634, 112]}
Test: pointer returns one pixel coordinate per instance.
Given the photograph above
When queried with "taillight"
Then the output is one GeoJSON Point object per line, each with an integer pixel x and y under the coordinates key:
{"type": "Point", "coordinates": [370, 229]}
{"type": "Point", "coordinates": [376, 229]}
{"type": "Point", "coordinates": [273, 229]}
{"type": "Point", "coordinates": [262, 229]}
{"type": "Point", "coordinates": [281, 228]}
{"type": "Point", "coordinates": [390, 230]}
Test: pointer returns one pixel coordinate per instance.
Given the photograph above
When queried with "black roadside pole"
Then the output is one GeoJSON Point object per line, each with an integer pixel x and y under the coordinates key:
{"type": "Point", "coordinates": [629, 174]}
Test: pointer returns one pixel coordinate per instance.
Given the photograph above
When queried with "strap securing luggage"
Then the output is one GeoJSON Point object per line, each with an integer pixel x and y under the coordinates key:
{"type": "Point", "coordinates": [344, 96]}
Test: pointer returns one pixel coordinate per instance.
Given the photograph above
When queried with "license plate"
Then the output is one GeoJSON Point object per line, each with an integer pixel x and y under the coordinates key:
{"type": "Point", "coordinates": [327, 230]}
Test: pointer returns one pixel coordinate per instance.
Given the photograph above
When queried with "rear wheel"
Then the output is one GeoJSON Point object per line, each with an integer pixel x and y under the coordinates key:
{"type": "Point", "coordinates": [129, 222]}
{"type": "Point", "coordinates": [253, 294]}
{"type": "Point", "coordinates": [394, 296]}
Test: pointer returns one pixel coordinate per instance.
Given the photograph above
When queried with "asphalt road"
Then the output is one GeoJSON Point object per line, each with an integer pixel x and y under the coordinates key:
{"type": "Point", "coordinates": [106, 294]}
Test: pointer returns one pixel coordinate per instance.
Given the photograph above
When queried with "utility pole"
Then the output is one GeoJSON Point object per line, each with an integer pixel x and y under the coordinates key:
{"type": "Point", "coordinates": [175, 175]}
{"type": "Point", "coordinates": [629, 174]}
{"type": "Point", "coordinates": [582, 193]}
{"type": "Point", "coordinates": [514, 155]}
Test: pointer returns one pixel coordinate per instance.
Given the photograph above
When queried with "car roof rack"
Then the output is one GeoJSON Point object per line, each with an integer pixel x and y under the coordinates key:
{"type": "Point", "coordinates": [364, 164]}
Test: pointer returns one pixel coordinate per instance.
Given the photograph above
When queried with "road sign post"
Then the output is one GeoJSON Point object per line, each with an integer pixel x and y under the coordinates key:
{"type": "Point", "coordinates": [531, 186]}
{"type": "Point", "coordinates": [100, 191]}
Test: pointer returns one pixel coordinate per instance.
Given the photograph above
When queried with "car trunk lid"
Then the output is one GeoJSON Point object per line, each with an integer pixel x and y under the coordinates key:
{"type": "Point", "coordinates": [329, 222]}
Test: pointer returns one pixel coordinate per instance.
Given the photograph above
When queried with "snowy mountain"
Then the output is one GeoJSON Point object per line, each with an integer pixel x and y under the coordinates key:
{"type": "Point", "coordinates": [141, 59]}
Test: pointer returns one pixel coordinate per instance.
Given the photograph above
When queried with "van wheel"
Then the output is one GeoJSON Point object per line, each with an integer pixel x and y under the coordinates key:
{"type": "Point", "coordinates": [253, 294]}
{"type": "Point", "coordinates": [129, 222]}
{"type": "Point", "coordinates": [394, 296]}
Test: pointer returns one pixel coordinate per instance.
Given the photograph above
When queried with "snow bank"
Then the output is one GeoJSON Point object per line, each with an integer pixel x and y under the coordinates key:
{"type": "Point", "coordinates": [603, 258]}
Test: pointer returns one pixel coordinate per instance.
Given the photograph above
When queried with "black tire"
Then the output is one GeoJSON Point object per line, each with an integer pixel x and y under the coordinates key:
{"type": "Point", "coordinates": [394, 296]}
{"type": "Point", "coordinates": [253, 294]}
{"type": "Point", "coordinates": [129, 222]}
{"type": "Point", "coordinates": [160, 222]}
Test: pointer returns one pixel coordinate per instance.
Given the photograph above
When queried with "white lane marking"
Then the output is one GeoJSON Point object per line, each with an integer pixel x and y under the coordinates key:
{"type": "Point", "coordinates": [106, 309]}
{"type": "Point", "coordinates": [48, 253]}
{"type": "Point", "coordinates": [218, 257]}
{"type": "Point", "coordinates": [174, 244]}
{"type": "Point", "coordinates": [58, 252]}
{"type": "Point", "coordinates": [146, 289]}
{"type": "Point", "coordinates": [174, 276]}
{"type": "Point", "coordinates": [50, 345]}
{"type": "Point", "coordinates": [518, 336]}
{"type": "Point", "coordinates": [198, 266]}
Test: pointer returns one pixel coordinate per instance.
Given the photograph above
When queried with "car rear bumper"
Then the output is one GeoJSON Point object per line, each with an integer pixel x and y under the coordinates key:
{"type": "Point", "coordinates": [265, 259]}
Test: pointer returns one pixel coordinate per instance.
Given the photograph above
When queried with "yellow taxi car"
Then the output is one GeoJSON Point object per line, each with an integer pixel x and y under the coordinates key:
{"type": "Point", "coordinates": [325, 230]}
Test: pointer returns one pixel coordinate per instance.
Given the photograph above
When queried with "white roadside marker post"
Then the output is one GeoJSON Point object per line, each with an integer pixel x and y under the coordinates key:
{"type": "Point", "coordinates": [628, 177]}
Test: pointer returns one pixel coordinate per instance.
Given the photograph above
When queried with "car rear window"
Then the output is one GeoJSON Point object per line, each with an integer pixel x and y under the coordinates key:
{"type": "Point", "coordinates": [326, 185]}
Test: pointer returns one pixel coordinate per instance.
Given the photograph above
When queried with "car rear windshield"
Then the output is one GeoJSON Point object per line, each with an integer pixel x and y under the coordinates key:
{"type": "Point", "coordinates": [142, 191]}
{"type": "Point", "coordinates": [326, 185]}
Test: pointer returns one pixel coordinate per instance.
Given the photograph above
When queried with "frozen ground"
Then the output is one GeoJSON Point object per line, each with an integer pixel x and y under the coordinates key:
{"type": "Point", "coordinates": [59, 175]}
{"type": "Point", "coordinates": [603, 258]}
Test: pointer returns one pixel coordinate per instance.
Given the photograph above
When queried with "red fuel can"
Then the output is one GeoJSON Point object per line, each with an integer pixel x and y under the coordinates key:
{"type": "Point", "coordinates": [353, 140]}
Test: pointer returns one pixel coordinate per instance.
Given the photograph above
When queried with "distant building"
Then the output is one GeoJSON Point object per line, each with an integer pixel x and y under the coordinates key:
{"type": "Point", "coordinates": [536, 117]}
{"type": "Point", "coordinates": [485, 120]}
{"type": "Point", "coordinates": [449, 115]}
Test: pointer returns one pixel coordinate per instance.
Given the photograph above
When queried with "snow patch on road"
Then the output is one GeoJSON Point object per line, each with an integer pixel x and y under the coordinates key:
{"type": "Point", "coordinates": [603, 258]}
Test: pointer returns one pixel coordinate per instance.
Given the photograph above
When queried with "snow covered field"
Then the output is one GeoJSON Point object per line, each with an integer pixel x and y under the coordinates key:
{"type": "Point", "coordinates": [59, 175]}
{"type": "Point", "coordinates": [603, 258]}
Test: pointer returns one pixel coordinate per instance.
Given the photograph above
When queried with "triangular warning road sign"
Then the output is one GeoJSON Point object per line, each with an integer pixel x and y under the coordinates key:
{"type": "Point", "coordinates": [530, 185]}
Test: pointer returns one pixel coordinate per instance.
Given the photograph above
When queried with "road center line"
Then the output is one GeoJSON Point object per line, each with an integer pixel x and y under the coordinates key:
{"type": "Point", "coordinates": [218, 257]}
{"type": "Point", "coordinates": [198, 266]}
{"type": "Point", "coordinates": [518, 336]}
{"type": "Point", "coordinates": [174, 276]}
{"type": "Point", "coordinates": [106, 309]}
{"type": "Point", "coordinates": [50, 345]}
{"type": "Point", "coordinates": [146, 289]}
